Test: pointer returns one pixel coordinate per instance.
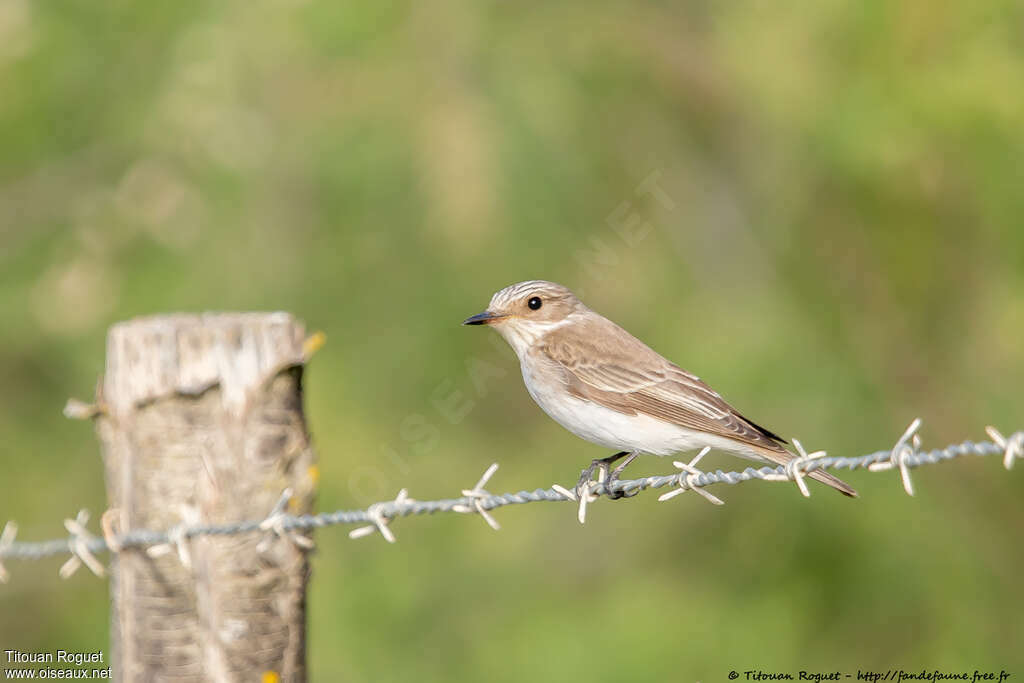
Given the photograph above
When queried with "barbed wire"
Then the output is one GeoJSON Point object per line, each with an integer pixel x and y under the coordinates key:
{"type": "Point", "coordinates": [83, 546]}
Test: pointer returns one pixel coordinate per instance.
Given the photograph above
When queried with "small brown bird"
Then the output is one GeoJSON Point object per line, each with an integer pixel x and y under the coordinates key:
{"type": "Point", "coordinates": [608, 387]}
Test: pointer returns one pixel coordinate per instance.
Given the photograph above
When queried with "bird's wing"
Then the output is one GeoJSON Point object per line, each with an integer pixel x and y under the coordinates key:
{"type": "Point", "coordinates": [605, 364]}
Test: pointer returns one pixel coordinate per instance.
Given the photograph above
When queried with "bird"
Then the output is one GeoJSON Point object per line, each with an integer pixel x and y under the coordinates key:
{"type": "Point", "coordinates": [609, 388]}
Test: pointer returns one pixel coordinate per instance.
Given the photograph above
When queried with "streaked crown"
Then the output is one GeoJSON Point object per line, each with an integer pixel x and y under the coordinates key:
{"type": "Point", "coordinates": [536, 300]}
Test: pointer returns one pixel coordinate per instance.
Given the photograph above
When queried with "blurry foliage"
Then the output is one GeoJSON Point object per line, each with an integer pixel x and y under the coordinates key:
{"type": "Point", "coordinates": [843, 252]}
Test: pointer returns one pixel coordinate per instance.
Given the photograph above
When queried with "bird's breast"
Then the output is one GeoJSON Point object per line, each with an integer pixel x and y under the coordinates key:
{"type": "Point", "coordinates": [596, 423]}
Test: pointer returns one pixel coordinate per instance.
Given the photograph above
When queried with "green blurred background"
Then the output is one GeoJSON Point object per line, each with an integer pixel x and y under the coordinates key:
{"type": "Point", "coordinates": [835, 243]}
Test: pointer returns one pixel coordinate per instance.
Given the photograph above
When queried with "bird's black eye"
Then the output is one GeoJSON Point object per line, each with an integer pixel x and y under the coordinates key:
{"type": "Point", "coordinates": [534, 303]}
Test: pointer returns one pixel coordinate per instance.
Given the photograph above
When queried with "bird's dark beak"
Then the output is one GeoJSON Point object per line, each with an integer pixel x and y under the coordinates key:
{"type": "Point", "coordinates": [485, 318]}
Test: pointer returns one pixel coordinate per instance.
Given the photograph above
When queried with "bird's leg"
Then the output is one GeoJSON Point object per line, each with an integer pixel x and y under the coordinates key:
{"type": "Point", "coordinates": [614, 477]}
{"type": "Point", "coordinates": [603, 464]}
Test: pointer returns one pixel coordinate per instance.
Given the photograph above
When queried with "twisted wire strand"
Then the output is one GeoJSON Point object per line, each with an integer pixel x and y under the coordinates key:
{"type": "Point", "coordinates": [380, 513]}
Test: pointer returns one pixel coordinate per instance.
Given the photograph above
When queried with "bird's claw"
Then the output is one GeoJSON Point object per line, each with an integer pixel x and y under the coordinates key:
{"type": "Point", "coordinates": [613, 479]}
{"type": "Point", "coordinates": [607, 476]}
{"type": "Point", "coordinates": [587, 475]}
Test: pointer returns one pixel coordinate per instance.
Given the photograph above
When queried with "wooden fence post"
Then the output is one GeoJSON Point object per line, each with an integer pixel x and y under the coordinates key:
{"type": "Point", "coordinates": [202, 422]}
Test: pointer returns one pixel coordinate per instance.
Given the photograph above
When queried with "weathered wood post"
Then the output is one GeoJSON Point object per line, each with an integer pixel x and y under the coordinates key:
{"type": "Point", "coordinates": [201, 421]}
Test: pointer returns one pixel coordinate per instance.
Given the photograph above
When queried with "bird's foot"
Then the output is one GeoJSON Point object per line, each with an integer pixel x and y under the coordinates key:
{"type": "Point", "coordinates": [587, 475]}
{"type": "Point", "coordinates": [613, 479]}
{"type": "Point", "coordinates": [608, 476]}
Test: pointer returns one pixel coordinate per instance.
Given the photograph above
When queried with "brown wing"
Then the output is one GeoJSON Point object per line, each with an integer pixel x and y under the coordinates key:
{"type": "Point", "coordinates": [607, 365]}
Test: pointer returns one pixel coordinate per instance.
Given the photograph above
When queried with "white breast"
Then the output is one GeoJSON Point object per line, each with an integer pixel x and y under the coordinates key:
{"type": "Point", "coordinates": [612, 429]}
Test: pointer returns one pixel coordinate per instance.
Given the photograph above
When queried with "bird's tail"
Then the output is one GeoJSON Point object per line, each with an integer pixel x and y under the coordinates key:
{"type": "Point", "coordinates": [833, 481]}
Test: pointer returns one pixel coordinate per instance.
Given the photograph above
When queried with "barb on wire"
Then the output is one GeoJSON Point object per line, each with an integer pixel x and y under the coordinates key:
{"type": "Point", "coordinates": [477, 494]}
{"type": "Point", "coordinates": [78, 545]}
{"type": "Point", "coordinates": [590, 494]}
{"type": "Point", "coordinates": [379, 520]}
{"type": "Point", "coordinates": [275, 522]}
{"type": "Point", "coordinates": [796, 469]}
{"type": "Point", "coordinates": [687, 478]}
{"type": "Point", "coordinates": [109, 526]}
{"type": "Point", "coordinates": [177, 540]}
{"type": "Point", "coordinates": [1013, 445]}
{"type": "Point", "coordinates": [6, 541]}
{"type": "Point", "coordinates": [83, 546]}
{"type": "Point", "coordinates": [906, 447]}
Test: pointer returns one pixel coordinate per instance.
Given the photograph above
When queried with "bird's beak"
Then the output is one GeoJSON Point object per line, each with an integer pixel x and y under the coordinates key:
{"type": "Point", "coordinates": [485, 318]}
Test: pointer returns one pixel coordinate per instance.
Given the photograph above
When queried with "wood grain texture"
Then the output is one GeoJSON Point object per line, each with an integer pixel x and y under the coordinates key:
{"type": "Point", "coordinates": [203, 422]}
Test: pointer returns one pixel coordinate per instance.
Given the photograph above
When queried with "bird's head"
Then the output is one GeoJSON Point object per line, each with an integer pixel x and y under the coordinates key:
{"type": "Point", "coordinates": [525, 311]}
